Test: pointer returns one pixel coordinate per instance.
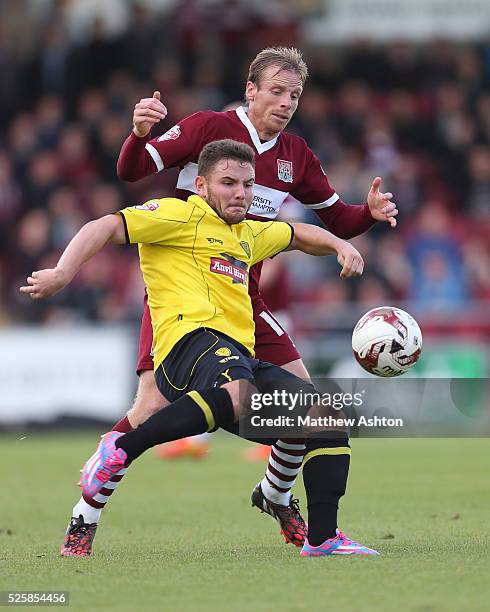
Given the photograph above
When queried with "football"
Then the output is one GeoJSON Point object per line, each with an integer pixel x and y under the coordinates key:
{"type": "Point", "coordinates": [387, 341]}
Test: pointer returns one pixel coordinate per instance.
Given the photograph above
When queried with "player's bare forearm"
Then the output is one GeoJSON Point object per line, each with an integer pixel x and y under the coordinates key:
{"type": "Point", "coordinates": [317, 241]}
{"type": "Point", "coordinates": [314, 240]}
{"type": "Point", "coordinates": [88, 241]}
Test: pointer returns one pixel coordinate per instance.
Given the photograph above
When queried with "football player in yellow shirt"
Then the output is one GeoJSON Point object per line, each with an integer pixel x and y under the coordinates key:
{"type": "Point", "coordinates": [195, 257]}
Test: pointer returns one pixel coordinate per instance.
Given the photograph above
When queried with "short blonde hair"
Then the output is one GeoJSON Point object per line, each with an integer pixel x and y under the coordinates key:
{"type": "Point", "coordinates": [285, 58]}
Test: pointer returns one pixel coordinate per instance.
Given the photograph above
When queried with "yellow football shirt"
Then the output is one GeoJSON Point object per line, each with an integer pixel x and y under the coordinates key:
{"type": "Point", "coordinates": [195, 267]}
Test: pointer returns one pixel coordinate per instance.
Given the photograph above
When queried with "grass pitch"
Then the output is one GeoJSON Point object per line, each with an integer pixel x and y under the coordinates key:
{"type": "Point", "coordinates": [183, 536]}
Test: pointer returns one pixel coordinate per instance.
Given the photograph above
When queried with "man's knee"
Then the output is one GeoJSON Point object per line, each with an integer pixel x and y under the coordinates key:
{"type": "Point", "coordinates": [297, 368]}
{"type": "Point", "coordinates": [240, 392]}
{"type": "Point", "coordinates": [148, 399]}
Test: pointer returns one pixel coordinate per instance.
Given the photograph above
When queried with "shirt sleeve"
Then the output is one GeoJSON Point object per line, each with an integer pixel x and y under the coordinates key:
{"type": "Point", "coordinates": [269, 238]}
{"type": "Point", "coordinates": [181, 143]}
{"type": "Point", "coordinates": [314, 191]}
{"type": "Point", "coordinates": [346, 220]}
{"type": "Point", "coordinates": [156, 221]}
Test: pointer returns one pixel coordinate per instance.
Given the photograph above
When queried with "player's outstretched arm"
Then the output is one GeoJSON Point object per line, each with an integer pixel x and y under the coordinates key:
{"type": "Point", "coordinates": [317, 241]}
{"type": "Point", "coordinates": [90, 240]}
{"type": "Point", "coordinates": [349, 220]}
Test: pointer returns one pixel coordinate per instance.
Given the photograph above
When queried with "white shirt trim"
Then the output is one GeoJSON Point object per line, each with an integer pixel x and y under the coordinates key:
{"type": "Point", "coordinates": [331, 200]}
{"type": "Point", "coordinates": [187, 177]}
{"type": "Point", "coordinates": [273, 323]}
{"type": "Point", "coordinates": [155, 155]}
{"type": "Point", "coordinates": [261, 147]}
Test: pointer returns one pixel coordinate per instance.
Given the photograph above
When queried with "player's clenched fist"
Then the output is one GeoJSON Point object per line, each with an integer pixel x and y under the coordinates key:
{"type": "Point", "coordinates": [148, 112]}
{"type": "Point", "coordinates": [44, 283]}
{"type": "Point", "coordinates": [350, 259]}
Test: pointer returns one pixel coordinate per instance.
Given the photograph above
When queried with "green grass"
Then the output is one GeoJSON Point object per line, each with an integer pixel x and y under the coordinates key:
{"type": "Point", "coordinates": [183, 535]}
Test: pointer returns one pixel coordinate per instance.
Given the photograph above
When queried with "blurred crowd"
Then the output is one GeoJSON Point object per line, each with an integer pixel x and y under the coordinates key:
{"type": "Point", "coordinates": [416, 115]}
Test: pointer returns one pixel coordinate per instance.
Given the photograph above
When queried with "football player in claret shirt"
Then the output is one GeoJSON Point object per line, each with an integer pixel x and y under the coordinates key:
{"type": "Point", "coordinates": [203, 325]}
{"type": "Point", "coordinates": [285, 168]}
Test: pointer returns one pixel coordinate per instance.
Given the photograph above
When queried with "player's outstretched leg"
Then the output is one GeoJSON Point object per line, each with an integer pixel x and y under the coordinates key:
{"type": "Point", "coordinates": [192, 414]}
{"type": "Point", "coordinates": [83, 524]}
{"type": "Point", "coordinates": [325, 472]}
{"type": "Point", "coordinates": [87, 511]}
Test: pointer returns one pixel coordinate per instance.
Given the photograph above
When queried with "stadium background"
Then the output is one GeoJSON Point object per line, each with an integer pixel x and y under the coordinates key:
{"type": "Point", "coordinates": [410, 103]}
{"type": "Point", "coordinates": [398, 89]}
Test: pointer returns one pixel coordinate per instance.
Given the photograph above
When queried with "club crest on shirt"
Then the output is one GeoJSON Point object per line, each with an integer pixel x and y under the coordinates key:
{"type": "Point", "coordinates": [285, 170]}
{"type": "Point", "coordinates": [246, 247]}
{"type": "Point", "coordinates": [151, 205]}
{"type": "Point", "coordinates": [172, 134]}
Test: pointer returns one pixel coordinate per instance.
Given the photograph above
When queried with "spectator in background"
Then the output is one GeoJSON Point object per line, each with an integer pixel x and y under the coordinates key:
{"type": "Point", "coordinates": [31, 243]}
{"type": "Point", "coordinates": [8, 77]}
{"type": "Point", "coordinates": [77, 166]}
{"type": "Point", "coordinates": [66, 216]}
{"type": "Point", "coordinates": [438, 278]}
{"type": "Point", "coordinates": [235, 25]}
{"type": "Point", "coordinates": [406, 181]}
{"type": "Point", "coordinates": [140, 42]}
{"type": "Point", "coordinates": [111, 133]}
{"type": "Point", "coordinates": [10, 201]}
{"type": "Point", "coordinates": [43, 178]}
{"type": "Point", "coordinates": [315, 122]}
{"type": "Point", "coordinates": [478, 198]}
{"type": "Point", "coordinates": [91, 110]}
{"type": "Point", "coordinates": [21, 140]}
{"type": "Point", "coordinates": [188, 17]}
{"type": "Point", "coordinates": [49, 119]}
{"type": "Point", "coordinates": [53, 60]}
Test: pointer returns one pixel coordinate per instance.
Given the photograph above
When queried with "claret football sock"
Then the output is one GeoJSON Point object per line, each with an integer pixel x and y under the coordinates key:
{"type": "Point", "coordinates": [284, 465]}
{"type": "Point", "coordinates": [91, 507]}
{"type": "Point", "coordinates": [325, 472]}
{"type": "Point", "coordinates": [194, 413]}
{"type": "Point", "coordinates": [124, 426]}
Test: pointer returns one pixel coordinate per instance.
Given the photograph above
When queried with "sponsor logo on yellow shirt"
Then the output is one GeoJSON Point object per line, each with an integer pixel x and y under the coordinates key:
{"type": "Point", "coordinates": [229, 266]}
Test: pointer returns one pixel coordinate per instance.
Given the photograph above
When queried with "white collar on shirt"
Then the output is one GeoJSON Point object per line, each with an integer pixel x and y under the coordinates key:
{"type": "Point", "coordinates": [261, 147]}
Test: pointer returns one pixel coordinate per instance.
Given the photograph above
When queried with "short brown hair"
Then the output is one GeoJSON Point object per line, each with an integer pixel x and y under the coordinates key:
{"type": "Point", "coordinates": [285, 58]}
{"type": "Point", "coordinates": [215, 151]}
